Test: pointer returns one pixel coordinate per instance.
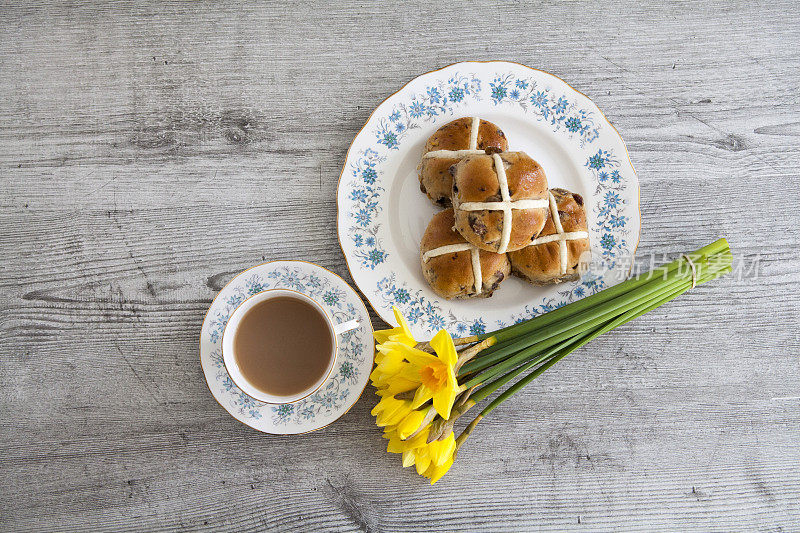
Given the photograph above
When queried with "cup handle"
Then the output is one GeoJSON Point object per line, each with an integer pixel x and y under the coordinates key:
{"type": "Point", "coordinates": [345, 326]}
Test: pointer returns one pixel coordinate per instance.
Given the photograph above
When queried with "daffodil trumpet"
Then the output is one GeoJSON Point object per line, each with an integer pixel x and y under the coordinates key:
{"type": "Point", "coordinates": [426, 387]}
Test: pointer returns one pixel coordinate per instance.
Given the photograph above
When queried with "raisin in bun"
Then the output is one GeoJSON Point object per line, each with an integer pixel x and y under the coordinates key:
{"type": "Point", "coordinates": [447, 146]}
{"type": "Point", "coordinates": [454, 268]}
{"type": "Point", "coordinates": [561, 252]}
{"type": "Point", "coordinates": [500, 209]}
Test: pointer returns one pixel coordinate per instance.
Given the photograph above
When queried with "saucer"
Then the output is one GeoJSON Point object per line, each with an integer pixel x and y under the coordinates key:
{"type": "Point", "coordinates": [346, 381]}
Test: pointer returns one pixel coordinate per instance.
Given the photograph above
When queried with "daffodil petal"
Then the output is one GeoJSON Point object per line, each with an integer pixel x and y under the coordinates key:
{"type": "Point", "coordinates": [395, 444]}
{"type": "Point", "coordinates": [396, 417]}
{"type": "Point", "coordinates": [400, 384]}
{"type": "Point", "coordinates": [394, 412]}
{"type": "Point", "coordinates": [437, 472]}
{"type": "Point", "coordinates": [409, 373]}
{"type": "Point", "coordinates": [441, 450]}
{"type": "Point", "coordinates": [422, 461]}
{"type": "Point", "coordinates": [415, 356]}
{"type": "Point", "coordinates": [389, 370]}
{"type": "Point", "coordinates": [422, 395]}
{"type": "Point", "coordinates": [381, 405]}
{"type": "Point", "coordinates": [420, 440]}
{"type": "Point", "coordinates": [401, 334]}
{"type": "Point", "coordinates": [383, 335]}
{"type": "Point", "coordinates": [410, 423]}
{"type": "Point", "coordinates": [390, 364]}
{"type": "Point", "coordinates": [408, 458]}
{"type": "Point", "coordinates": [443, 401]}
{"type": "Point", "coordinates": [442, 343]}
{"type": "Point", "coordinates": [390, 411]}
{"type": "Point", "coordinates": [377, 377]}
{"type": "Point", "coordinates": [406, 336]}
{"type": "Point", "coordinates": [389, 346]}
{"type": "Point", "coordinates": [387, 404]}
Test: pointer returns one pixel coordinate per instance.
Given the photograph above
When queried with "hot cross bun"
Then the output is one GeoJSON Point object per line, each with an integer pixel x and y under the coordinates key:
{"type": "Point", "coordinates": [447, 146]}
{"type": "Point", "coordinates": [500, 200]}
{"type": "Point", "coordinates": [561, 252]}
{"type": "Point", "coordinates": [454, 268]}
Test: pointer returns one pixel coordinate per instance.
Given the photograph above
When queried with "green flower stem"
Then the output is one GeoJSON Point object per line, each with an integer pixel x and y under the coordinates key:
{"type": "Point", "coordinates": [535, 352]}
{"type": "Point", "coordinates": [626, 317]}
{"type": "Point", "coordinates": [508, 393]}
{"type": "Point", "coordinates": [545, 347]}
{"type": "Point", "coordinates": [654, 275]}
{"type": "Point", "coordinates": [554, 333]}
{"type": "Point", "coordinates": [557, 352]}
{"type": "Point", "coordinates": [535, 342]}
{"type": "Point", "coordinates": [550, 335]}
{"type": "Point", "coordinates": [488, 389]}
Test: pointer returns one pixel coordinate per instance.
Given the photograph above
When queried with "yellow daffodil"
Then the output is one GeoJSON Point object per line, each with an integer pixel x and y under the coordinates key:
{"type": "Point", "coordinates": [410, 423]}
{"type": "Point", "coordinates": [398, 415]}
{"type": "Point", "coordinates": [402, 333]}
{"type": "Point", "coordinates": [434, 472]}
{"type": "Point", "coordinates": [442, 450]}
{"type": "Point", "coordinates": [398, 445]}
{"type": "Point", "coordinates": [416, 450]}
{"type": "Point", "coordinates": [401, 367]}
{"type": "Point", "coordinates": [431, 459]}
{"type": "Point", "coordinates": [436, 374]}
{"type": "Point", "coordinates": [390, 411]}
{"type": "Point", "coordinates": [392, 370]}
{"type": "Point", "coordinates": [409, 380]}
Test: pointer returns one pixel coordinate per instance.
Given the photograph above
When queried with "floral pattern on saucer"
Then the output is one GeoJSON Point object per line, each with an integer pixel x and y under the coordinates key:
{"type": "Point", "coordinates": [347, 379]}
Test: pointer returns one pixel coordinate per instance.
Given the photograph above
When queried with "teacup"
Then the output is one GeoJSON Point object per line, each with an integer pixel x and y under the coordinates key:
{"type": "Point", "coordinates": [233, 364]}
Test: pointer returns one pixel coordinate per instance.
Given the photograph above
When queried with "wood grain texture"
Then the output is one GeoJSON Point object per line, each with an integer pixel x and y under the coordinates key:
{"type": "Point", "coordinates": [148, 152]}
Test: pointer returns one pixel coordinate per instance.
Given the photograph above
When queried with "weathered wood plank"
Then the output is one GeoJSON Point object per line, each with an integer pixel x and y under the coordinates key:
{"type": "Point", "coordinates": [149, 152]}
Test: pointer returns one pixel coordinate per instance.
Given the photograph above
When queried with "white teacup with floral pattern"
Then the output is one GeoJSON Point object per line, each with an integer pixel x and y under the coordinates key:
{"type": "Point", "coordinates": [229, 356]}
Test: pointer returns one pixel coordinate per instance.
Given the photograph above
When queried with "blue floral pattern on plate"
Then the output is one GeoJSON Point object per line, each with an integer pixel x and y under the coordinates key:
{"type": "Point", "coordinates": [556, 109]}
{"type": "Point", "coordinates": [348, 378]}
{"type": "Point", "coordinates": [436, 98]}
{"type": "Point", "coordinates": [366, 194]}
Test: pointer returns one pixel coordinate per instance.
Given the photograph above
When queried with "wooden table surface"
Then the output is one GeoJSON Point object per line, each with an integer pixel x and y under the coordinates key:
{"type": "Point", "coordinates": [150, 152]}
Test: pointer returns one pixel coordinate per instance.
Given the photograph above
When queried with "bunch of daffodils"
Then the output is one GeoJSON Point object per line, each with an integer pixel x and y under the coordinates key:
{"type": "Point", "coordinates": [424, 387]}
{"type": "Point", "coordinates": [414, 387]}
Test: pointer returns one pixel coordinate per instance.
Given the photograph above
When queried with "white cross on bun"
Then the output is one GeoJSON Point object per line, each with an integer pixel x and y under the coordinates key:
{"type": "Point", "coordinates": [561, 252]}
{"type": "Point", "coordinates": [447, 146]}
{"type": "Point", "coordinates": [500, 200]}
{"type": "Point", "coordinates": [454, 268]}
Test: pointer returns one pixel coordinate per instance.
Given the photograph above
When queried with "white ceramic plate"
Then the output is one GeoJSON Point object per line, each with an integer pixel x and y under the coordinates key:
{"type": "Point", "coordinates": [347, 379]}
{"type": "Point", "coordinates": [382, 213]}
